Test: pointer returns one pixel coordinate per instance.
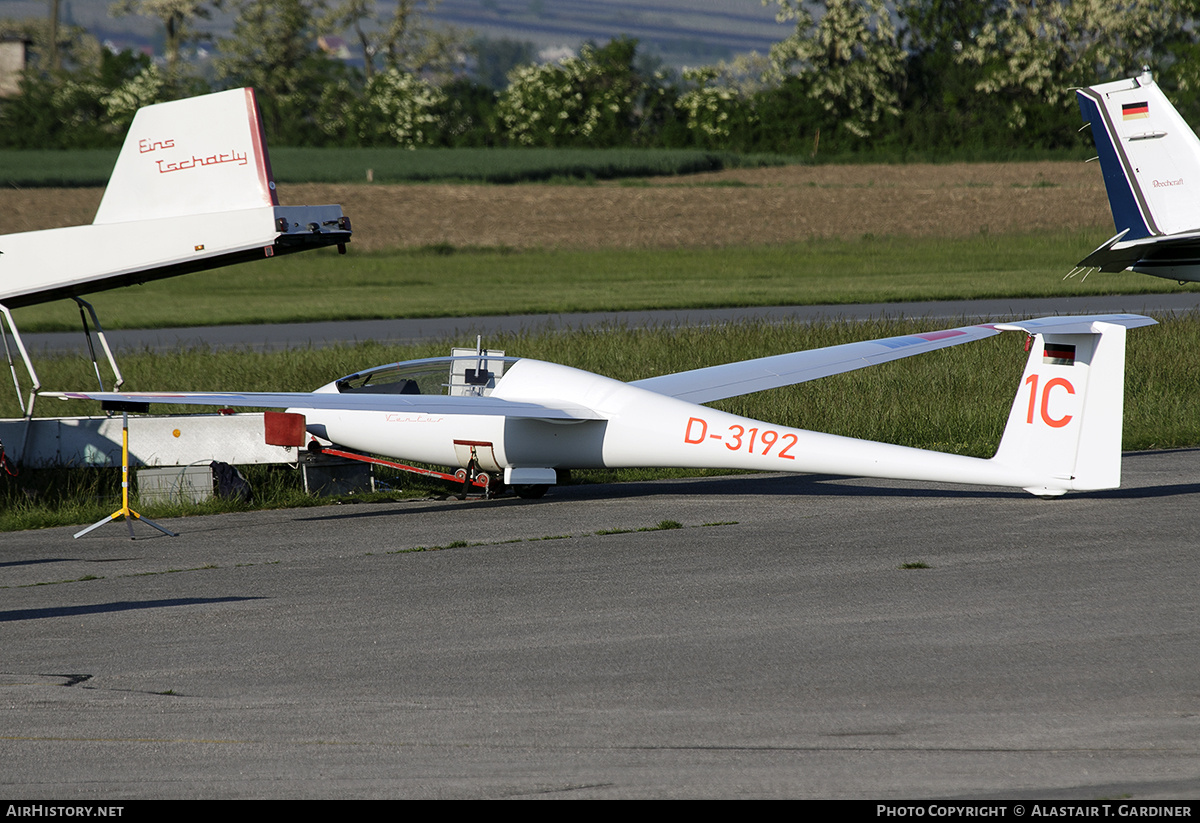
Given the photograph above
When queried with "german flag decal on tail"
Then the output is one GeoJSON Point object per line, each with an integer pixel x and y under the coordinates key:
{"type": "Point", "coordinates": [1135, 111]}
{"type": "Point", "coordinates": [1059, 354]}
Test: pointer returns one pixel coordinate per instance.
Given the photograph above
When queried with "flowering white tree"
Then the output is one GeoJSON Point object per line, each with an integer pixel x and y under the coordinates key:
{"type": "Point", "coordinates": [395, 108]}
{"type": "Point", "coordinates": [404, 106]}
{"type": "Point", "coordinates": [1036, 53]}
{"type": "Point", "coordinates": [707, 105]}
{"type": "Point", "coordinates": [719, 96]}
{"type": "Point", "coordinates": [850, 60]}
{"type": "Point", "coordinates": [584, 99]}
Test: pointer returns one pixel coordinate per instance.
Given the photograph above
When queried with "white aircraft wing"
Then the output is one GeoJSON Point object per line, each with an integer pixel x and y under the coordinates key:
{"type": "Point", "coordinates": [406, 404]}
{"type": "Point", "coordinates": [746, 377]}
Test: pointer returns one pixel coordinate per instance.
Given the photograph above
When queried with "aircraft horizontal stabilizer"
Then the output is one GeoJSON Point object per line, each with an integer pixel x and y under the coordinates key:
{"type": "Point", "coordinates": [1176, 257]}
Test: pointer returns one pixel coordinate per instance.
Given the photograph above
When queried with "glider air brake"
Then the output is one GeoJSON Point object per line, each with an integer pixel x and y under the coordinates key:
{"type": "Point", "coordinates": [526, 419]}
{"type": "Point", "coordinates": [1150, 159]}
{"type": "Point", "coordinates": [192, 189]}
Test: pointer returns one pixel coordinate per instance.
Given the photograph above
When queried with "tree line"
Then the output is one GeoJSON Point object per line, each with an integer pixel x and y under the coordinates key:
{"type": "Point", "coordinates": [920, 78]}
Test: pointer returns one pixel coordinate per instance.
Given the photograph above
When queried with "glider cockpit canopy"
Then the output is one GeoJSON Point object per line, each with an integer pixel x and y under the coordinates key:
{"type": "Point", "coordinates": [474, 375]}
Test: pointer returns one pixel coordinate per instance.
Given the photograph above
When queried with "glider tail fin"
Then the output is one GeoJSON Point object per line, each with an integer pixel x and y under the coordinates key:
{"type": "Point", "coordinates": [1064, 429]}
{"type": "Point", "coordinates": [202, 155]}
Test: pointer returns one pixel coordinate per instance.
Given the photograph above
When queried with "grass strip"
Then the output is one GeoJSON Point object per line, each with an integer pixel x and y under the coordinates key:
{"type": "Point", "coordinates": [445, 281]}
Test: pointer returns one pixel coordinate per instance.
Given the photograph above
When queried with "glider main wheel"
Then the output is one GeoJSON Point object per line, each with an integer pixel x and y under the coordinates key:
{"type": "Point", "coordinates": [531, 492]}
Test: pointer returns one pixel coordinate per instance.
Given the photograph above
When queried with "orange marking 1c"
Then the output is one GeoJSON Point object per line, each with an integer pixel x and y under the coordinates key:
{"type": "Point", "coordinates": [1044, 410]}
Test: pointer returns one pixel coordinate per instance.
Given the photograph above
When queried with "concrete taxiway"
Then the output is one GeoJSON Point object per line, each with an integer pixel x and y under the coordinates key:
{"type": "Point", "coordinates": [773, 646]}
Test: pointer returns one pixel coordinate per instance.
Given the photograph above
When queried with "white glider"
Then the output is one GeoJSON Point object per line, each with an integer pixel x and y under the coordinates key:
{"type": "Point", "coordinates": [1150, 159]}
{"type": "Point", "coordinates": [526, 420]}
{"type": "Point", "coordinates": [192, 189]}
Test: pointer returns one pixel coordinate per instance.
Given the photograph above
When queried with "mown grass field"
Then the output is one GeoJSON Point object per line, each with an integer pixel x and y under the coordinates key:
{"type": "Point", "coordinates": [444, 281]}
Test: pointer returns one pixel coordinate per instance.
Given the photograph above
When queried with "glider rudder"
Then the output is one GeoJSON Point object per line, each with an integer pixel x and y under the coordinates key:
{"type": "Point", "coordinates": [1124, 199]}
{"type": "Point", "coordinates": [200, 155]}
